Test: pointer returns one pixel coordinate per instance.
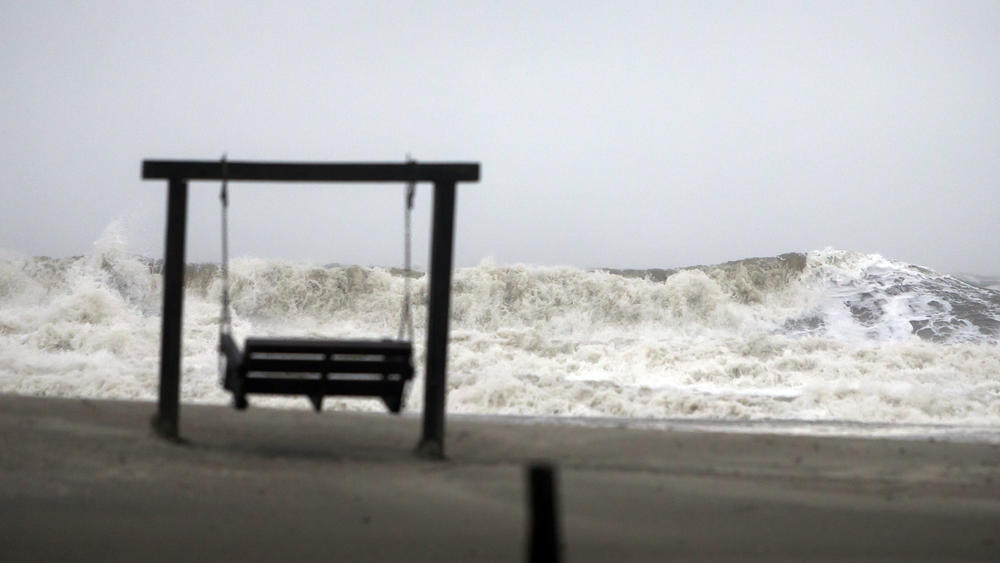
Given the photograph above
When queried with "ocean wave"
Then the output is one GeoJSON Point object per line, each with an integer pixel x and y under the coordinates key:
{"type": "Point", "coordinates": [822, 335]}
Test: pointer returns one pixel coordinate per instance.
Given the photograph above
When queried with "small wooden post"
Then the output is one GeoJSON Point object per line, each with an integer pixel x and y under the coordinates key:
{"type": "Point", "coordinates": [165, 422]}
{"type": "Point", "coordinates": [438, 310]}
{"type": "Point", "coordinates": [543, 529]}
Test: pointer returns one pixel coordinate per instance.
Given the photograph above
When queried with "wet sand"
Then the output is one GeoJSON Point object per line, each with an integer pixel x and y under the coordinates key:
{"type": "Point", "coordinates": [86, 480]}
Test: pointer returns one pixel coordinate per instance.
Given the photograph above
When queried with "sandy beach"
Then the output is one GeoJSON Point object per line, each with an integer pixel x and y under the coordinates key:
{"type": "Point", "coordinates": [87, 480]}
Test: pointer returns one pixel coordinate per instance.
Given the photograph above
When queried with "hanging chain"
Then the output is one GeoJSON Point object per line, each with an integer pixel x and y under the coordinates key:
{"type": "Point", "coordinates": [225, 319]}
{"type": "Point", "coordinates": [406, 315]}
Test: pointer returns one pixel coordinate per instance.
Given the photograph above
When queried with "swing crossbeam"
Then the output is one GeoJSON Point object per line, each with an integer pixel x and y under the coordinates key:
{"type": "Point", "coordinates": [311, 171]}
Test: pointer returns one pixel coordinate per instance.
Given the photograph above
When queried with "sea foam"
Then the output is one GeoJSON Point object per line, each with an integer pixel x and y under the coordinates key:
{"type": "Point", "coordinates": [825, 336]}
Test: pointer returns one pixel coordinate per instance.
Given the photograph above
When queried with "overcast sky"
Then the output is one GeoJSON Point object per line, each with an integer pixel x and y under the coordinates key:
{"type": "Point", "coordinates": [631, 134]}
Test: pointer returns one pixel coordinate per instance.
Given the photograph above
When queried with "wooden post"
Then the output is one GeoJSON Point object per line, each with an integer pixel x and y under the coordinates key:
{"type": "Point", "coordinates": [543, 528]}
{"type": "Point", "coordinates": [439, 307]}
{"type": "Point", "coordinates": [165, 422]}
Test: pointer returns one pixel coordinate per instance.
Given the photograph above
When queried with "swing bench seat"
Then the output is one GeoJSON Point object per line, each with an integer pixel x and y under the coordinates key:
{"type": "Point", "coordinates": [317, 368]}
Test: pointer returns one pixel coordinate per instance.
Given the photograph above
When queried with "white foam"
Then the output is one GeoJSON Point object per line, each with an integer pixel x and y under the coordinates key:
{"type": "Point", "coordinates": [713, 343]}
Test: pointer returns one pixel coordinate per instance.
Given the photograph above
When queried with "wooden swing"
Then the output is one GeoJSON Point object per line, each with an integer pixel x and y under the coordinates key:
{"type": "Point", "coordinates": [315, 367]}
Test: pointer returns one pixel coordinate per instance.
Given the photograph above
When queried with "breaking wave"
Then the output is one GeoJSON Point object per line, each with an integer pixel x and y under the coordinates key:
{"type": "Point", "coordinates": [824, 335]}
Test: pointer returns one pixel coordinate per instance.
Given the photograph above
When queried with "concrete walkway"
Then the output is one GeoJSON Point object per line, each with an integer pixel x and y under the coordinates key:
{"type": "Point", "coordinates": [85, 480]}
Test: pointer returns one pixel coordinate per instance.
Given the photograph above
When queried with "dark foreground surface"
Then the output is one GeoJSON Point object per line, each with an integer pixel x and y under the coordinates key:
{"type": "Point", "coordinates": [85, 480]}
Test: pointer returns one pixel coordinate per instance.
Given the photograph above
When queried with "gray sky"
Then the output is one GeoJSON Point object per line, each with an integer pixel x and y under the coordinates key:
{"type": "Point", "coordinates": [643, 134]}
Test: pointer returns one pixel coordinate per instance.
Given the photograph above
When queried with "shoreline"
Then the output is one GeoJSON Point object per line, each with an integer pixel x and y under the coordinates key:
{"type": "Point", "coordinates": [854, 429]}
{"type": "Point", "coordinates": [86, 479]}
{"type": "Point", "coordinates": [833, 428]}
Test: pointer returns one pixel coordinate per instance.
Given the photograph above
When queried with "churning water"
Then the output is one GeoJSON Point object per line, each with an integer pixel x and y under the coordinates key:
{"type": "Point", "coordinates": [818, 336]}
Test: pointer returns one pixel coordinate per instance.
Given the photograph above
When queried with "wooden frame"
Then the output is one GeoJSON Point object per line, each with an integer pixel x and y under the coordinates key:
{"type": "Point", "coordinates": [444, 176]}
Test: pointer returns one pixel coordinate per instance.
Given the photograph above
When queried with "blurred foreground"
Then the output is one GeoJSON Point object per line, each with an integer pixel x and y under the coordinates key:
{"type": "Point", "coordinates": [86, 480]}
